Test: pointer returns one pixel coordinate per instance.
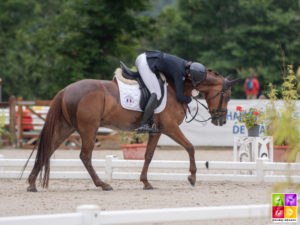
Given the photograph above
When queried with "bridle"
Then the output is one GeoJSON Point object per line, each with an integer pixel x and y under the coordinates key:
{"type": "Point", "coordinates": [217, 113]}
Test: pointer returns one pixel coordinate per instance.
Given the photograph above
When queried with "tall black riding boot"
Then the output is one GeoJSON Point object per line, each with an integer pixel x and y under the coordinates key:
{"type": "Point", "coordinates": [147, 124]}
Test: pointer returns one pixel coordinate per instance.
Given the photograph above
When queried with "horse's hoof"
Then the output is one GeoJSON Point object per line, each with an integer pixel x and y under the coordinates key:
{"type": "Point", "coordinates": [191, 180]}
{"type": "Point", "coordinates": [31, 189]}
{"type": "Point", "coordinates": [148, 187]}
{"type": "Point", "coordinates": [107, 188]}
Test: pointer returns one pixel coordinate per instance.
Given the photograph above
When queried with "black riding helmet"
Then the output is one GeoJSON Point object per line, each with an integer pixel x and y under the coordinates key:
{"type": "Point", "coordinates": [198, 73]}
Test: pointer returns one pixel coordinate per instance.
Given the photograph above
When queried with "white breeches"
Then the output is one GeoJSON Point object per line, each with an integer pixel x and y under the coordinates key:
{"type": "Point", "coordinates": [147, 75]}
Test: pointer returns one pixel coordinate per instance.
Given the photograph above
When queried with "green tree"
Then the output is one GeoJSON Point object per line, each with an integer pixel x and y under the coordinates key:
{"type": "Point", "coordinates": [13, 15]}
{"type": "Point", "coordinates": [234, 36]}
{"type": "Point", "coordinates": [65, 41]}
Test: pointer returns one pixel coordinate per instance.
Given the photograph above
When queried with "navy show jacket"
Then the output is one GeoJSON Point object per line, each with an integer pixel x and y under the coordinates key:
{"type": "Point", "coordinates": [172, 67]}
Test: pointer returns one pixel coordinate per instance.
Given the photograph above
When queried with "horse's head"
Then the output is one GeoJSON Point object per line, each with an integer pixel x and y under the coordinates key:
{"type": "Point", "coordinates": [217, 95]}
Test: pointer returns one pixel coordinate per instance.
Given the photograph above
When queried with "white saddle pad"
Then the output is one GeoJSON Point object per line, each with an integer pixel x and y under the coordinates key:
{"type": "Point", "coordinates": [130, 95]}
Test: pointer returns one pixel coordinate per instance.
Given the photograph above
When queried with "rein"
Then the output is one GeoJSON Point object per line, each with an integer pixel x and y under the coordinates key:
{"type": "Point", "coordinates": [215, 112]}
{"type": "Point", "coordinates": [194, 116]}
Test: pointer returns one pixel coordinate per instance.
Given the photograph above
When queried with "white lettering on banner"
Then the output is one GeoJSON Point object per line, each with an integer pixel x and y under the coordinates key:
{"type": "Point", "coordinates": [207, 134]}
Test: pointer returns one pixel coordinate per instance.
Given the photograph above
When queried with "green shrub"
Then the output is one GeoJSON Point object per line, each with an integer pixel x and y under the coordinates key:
{"type": "Point", "coordinates": [283, 122]}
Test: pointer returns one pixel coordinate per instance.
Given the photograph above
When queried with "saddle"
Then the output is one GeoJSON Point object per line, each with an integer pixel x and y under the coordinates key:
{"type": "Point", "coordinates": [134, 77]}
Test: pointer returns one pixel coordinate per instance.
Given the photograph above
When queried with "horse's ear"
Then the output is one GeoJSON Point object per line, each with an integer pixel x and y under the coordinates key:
{"type": "Point", "coordinates": [228, 77]}
{"type": "Point", "coordinates": [232, 82]}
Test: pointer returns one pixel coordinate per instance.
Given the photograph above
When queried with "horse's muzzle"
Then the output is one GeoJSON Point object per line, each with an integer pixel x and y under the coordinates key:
{"type": "Point", "coordinates": [219, 120]}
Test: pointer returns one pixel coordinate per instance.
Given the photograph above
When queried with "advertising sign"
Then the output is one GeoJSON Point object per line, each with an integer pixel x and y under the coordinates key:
{"type": "Point", "coordinates": [207, 134]}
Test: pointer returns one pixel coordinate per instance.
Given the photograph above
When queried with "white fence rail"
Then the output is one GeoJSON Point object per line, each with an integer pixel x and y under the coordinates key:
{"type": "Point", "coordinates": [111, 167]}
{"type": "Point", "coordinates": [92, 215]}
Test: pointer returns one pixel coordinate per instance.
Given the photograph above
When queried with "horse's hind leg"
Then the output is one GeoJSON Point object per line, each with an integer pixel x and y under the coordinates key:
{"type": "Point", "coordinates": [88, 141]}
{"type": "Point", "coordinates": [152, 142]}
{"type": "Point", "coordinates": [62, 131]}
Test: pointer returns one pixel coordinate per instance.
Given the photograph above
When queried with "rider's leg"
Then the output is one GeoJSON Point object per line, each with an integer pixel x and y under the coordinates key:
{"type": "Point", "coordinates": [147, 75]}
{"type": "Point", "coordinates": [146, 122]}
{"type": "Point", "coordinates": [152, 84]}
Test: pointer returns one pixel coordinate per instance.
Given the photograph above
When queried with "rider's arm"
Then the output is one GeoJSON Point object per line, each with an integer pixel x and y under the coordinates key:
{"type": "Point", "coordinates": [179, 92]}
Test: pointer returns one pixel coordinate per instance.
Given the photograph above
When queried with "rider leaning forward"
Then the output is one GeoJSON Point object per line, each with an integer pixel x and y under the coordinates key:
{"type": "Point", "coordinates": [177, 69]}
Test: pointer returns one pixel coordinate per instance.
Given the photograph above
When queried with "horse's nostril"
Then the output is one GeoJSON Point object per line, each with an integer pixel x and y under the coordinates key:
{"type": "Point", "coordinates": [215, 122]}
{"type": "Point", "coordinates": [222, 121]}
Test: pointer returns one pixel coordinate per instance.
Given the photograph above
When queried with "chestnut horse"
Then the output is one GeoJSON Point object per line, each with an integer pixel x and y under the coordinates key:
{"type": "Point", "coordinates": [86, 105]}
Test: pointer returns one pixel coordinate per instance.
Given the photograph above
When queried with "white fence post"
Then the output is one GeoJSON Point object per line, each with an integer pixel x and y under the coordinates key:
{"type": "Point", "coordinates": [90, 213]}
{"type": "Point", "coordinates": [271, 149]}
{"type": "Point", "coordinates": [260, 173]}
{"type": "Point", "coordinates": [108, 167]}
{"type": "Point", "coordinates": [235, 140]}
{"type": "Point", "coordinates": [1, 164]}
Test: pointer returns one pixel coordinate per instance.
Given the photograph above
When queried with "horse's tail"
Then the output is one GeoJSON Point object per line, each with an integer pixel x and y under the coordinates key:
{"type": "Point", "coordinates": [46, 143]}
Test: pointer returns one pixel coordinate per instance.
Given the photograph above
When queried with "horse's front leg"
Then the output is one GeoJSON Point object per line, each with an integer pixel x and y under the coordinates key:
{"type": "Point", "coordinates": [152, 142]}
{"type": "Point", "coordinates": [175, 133]}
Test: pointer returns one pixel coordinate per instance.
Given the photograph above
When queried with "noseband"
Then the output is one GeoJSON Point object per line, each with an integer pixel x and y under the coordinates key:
{"type": "Point", "coordinates": [216, 113]}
